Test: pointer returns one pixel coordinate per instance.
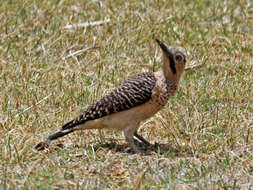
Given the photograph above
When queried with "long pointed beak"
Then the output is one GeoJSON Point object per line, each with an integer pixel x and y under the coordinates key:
{"type": "Point", "coordinates": [169, 53]}
{"type": "Point", "coordinates": [165, 49]}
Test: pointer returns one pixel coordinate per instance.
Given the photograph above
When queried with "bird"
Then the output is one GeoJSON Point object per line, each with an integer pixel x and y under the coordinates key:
{"type": "Point", "coordinates": [135, 100]}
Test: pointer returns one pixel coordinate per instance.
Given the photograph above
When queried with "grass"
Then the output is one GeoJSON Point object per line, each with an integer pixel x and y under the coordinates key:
{"type": "Point", "coordinates": [203, 136]}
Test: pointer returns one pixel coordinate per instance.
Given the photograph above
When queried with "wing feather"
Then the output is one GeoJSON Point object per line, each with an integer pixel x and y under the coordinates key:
{"type": "Point", "coordinates": [132, 92]}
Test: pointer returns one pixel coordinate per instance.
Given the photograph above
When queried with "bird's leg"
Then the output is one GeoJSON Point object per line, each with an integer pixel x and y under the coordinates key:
{"type": "Point", "coordinates": [129, 135]}
{"type": "Point", "coordinates": [141, 139]}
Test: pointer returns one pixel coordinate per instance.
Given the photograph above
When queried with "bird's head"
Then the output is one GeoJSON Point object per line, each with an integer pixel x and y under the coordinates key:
{"type": "Point", "coordinates": [173, 61]}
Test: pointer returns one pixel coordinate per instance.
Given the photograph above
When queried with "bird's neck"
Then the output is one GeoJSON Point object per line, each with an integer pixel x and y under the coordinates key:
{"type": "Point", "coordinates": [170, 83]}
{"type": "Point", "coordinates": [170, 78]}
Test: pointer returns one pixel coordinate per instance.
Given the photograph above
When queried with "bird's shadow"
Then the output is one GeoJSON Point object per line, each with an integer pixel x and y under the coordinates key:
{"type": "Point", "coordinates": [125, 148]}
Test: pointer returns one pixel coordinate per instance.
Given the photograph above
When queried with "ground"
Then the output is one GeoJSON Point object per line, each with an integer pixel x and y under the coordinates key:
{"type": "Point", "coordinates": [49, 74]}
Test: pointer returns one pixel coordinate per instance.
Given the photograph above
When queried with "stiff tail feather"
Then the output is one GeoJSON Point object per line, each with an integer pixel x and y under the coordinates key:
{"type": "Point", "coordinates": [59, 134]}
{"type": "Point", "coordinates": [66, 129]}
{"type": "Point", "coordinates": [70, 125]}
{"type": "Point", "coordinates": [73, 123]}
{"type": "Point", "coordinates": [43, 145]}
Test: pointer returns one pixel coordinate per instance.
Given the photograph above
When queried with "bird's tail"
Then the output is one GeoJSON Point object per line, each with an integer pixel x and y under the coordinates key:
{"type": "Point", "coordinates": [66, 129]}
{"type": "Point", "coordinates": [61, 133]}
{"type": "Point", "coordinates": [75, 122]}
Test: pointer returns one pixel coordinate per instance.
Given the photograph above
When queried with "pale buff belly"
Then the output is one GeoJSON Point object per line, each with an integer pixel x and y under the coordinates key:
{"type": "Point", "coordinates": [128, 118]}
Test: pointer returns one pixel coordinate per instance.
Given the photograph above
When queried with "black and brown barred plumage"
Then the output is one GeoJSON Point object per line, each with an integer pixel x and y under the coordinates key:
{"type": "Point", "coordinates": [136, 99]}
{"type": "Point", "coordinates": [132, 92]}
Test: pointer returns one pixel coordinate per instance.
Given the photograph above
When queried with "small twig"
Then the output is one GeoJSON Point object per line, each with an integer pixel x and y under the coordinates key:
{"type": "Point", "coordinates": [86, 24]}
{"type": "Point", "coordinates": [33, 105]}
{"type": "Point", "coordinates": [78, 52]}
{"type": "Point", "coordinates": [190, 67]}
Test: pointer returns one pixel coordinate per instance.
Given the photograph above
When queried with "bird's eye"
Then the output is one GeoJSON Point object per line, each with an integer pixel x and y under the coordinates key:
{"type": "Point", "coordinates": [178, 58]}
